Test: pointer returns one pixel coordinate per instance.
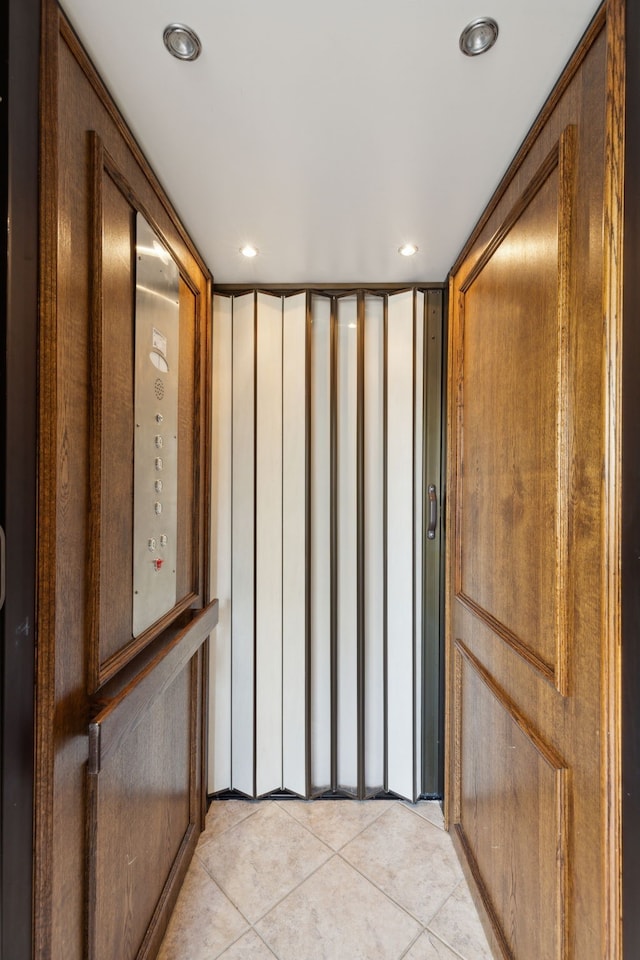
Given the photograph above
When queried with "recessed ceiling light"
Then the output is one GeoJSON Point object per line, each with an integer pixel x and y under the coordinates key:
{"type": "Point", "coordinates": [407, 249]}
{"type": "Point", "coordinates": [249, 250]}
{"type": "Point", "coordinates": [478, 36]}
{"type": "Point", "coordinates": [182, 42]}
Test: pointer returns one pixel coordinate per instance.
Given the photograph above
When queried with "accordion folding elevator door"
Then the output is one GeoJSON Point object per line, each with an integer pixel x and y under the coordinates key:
{"type": "Point", "coordinates": [325, 670]}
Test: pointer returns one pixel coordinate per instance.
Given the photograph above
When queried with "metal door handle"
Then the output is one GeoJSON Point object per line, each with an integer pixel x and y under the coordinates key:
{"type": "Point", "coordinates": [3, 563]}
{"type": "Point", "coordinates": [433, 512]}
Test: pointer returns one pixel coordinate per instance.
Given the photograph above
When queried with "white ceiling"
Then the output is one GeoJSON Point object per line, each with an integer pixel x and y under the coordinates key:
{"type": "Point", "coordinates": [329, 133]}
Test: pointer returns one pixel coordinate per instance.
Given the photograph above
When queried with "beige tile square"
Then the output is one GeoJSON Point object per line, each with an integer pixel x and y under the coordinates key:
{"type": "Point", "coordinates": [337, 915]}
{"type": "Point", "coordinates": [223, 814]}
{"type": "Point", "coordinates": [335, 822]}
{"type": "Point", "coordinates": [410, 859]}
{"type": "Point", "coordinates": [431, 810]}
{"type": "Point", "coordinates": [428, 947]}
{"type": "Point", "coordinates": [204, 922]}
{"type": "Point", "coordinates": [260, 860]}
{"type": "Point", "coordinates": [458, 924]}
{"type": "Point", "coordinates": [248, 947]}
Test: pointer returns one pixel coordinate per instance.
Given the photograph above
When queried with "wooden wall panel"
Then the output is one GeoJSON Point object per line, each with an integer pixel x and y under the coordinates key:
{"type": "Point", "coordinates": [138, 828]}
{"type": "Point", "coordinates": [533, 324]}
{"type": "Point", "coordinates": [513, 422]}
{"type": "Point", "coordinates": [514, 762]}
{"type": "Point", "coordinates": [93, 179]}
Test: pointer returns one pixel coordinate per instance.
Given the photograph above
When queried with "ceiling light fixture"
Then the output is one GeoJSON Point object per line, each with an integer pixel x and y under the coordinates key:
{"type": "Point", "coordinates": [407, 250]}
{"type": "Point", "coordinates": [478, 36]}
{"type": "Point", "coordinates": [249, 250]}
{"type": "Point", "coordinates": [182, 42]}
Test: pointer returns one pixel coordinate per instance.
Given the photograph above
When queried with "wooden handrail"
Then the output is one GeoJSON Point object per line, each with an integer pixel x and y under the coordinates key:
{"type": "Point", "coordinates": [122, 713]}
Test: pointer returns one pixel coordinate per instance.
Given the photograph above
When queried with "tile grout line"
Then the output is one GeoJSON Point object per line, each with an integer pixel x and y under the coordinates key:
{"type": "Point", "coordinates": [269, 948]}
{"type": "Point", "coordinates": [396, 902]}
{"type": "Point", "coordinates": [387, 895]}
{"type": "Point", "coordinates": [252, 923]}
{"type": "Point", "coordinates": [245, 933]}
{"type": "Point", "coordinates": [426, 930]}
{"type": "Point", "coordinates": [410, 946]}
{"type": "Point", "coordinates": [411, 807]}
{"type": "Point", "coordinates": [445, 943]}
{"type": "Point", "coordinates": [293, 890]}
{"type": "Point", "coordinates": [283, 803]}
{"type": "Point", "coordinates": [263, 805]}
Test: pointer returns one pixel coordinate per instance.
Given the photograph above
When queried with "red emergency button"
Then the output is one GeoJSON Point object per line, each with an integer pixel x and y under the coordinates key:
{"type": "Point", "coordinates": [157, 564]}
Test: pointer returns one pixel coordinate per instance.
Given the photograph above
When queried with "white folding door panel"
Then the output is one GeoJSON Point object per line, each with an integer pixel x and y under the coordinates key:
{"type": "Point", "coordinates": [346, 506]}
{"type": "Point", "coordinates": [268, 544]}
{"type": "Point", "coordinates": [219, 741]}
{"type": "Point", "coordinates": [400, 543]}
{"type": "Point", "coordinates": [294, 542]}
{"type": "Point", "coordinates": [374, 567]}
{"type": "Point", "coordinates": [242, 563]}
{"type": "Point", "coordinates": [320, 545]}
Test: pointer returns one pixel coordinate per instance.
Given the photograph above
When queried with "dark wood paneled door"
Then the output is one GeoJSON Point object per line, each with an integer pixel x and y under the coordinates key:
{"type": "Point", "coordinates": [530, 721]}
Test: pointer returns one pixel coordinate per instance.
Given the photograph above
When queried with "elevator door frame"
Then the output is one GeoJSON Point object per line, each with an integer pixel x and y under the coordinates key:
{"type": "Point", "coordinates": [18, 454]}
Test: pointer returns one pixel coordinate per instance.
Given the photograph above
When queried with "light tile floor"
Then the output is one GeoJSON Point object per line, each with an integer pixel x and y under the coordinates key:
{"type": "Point", "coordinates": [326, 880]}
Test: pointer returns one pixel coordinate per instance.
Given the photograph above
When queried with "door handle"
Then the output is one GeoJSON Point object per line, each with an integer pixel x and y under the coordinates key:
{"type": "Point", "coordinates": [433, 512]}
{"type": "Point", "coordinates": [3, 564]}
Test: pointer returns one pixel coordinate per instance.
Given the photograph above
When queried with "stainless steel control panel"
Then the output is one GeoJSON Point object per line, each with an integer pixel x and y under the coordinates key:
{"type": "Point", "coordinates": [155, 484]}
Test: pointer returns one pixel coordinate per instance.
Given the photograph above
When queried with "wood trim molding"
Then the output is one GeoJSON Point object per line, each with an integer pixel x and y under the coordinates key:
{"type": "Point", "coordinates": [562, 157]}
{"type": "Point", "coordinates": [613, 275]}
{"type": "Point", "coordinates": [564, 408]}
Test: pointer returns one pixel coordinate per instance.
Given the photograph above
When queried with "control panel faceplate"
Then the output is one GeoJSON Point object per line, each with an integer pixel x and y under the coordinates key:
{"type": "Point", "coordinates": [155, 483]}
